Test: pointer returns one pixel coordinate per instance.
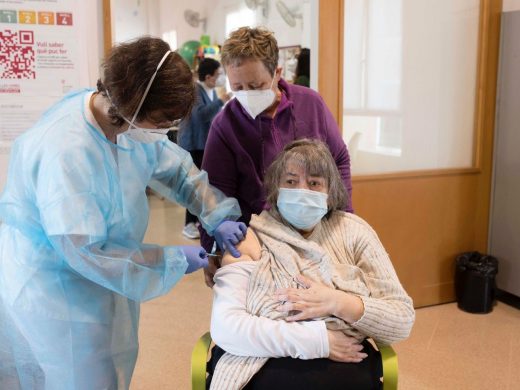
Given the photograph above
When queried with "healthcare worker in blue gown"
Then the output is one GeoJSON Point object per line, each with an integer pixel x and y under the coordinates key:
{"type": "Point", "coordinates": [73, 268]}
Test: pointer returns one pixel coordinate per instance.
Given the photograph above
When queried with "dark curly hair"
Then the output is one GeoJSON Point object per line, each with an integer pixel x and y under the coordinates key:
{"type": "Point", "coordinates": [127, 71]}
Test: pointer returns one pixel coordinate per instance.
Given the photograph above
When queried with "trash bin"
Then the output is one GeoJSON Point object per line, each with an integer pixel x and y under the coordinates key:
{"type": "Point", "coordinates": [475, 282]}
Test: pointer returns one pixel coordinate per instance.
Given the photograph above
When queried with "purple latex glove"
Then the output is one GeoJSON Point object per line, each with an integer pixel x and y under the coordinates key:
{"type": "Point", "coordinates": [196, 257]}
{"type": "Point", "coordinates": [228, 234]}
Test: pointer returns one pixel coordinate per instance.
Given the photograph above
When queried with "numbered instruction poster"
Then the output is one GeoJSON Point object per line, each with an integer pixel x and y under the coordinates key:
{"type": "Point", "coordinates": [39, 55]}
{"type": "Point", "coordinates": [40, 51]}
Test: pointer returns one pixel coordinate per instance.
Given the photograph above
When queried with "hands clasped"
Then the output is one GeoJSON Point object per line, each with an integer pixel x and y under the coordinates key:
{"type": "Point", "coordinates": [314, 301]}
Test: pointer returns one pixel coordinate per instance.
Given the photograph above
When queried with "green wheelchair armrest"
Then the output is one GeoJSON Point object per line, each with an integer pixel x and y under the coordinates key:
{"type": "Point", "coordinates": [390, 369]}
{"type": "Point", "coordinates": [199, 359]}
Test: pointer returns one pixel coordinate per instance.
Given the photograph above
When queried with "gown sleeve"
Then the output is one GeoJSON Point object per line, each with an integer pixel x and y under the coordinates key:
{"type": "Point", "coordinates": [177, 178]}
{"type": "Point", "coordinates": [73, 195]}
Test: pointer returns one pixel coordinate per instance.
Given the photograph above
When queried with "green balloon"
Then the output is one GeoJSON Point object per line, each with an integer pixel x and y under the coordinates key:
{"type": "Point", "coordinates": [188, 51]}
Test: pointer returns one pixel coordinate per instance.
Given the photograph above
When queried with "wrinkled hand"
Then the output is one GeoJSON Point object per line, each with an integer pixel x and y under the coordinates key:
{"type": "Point", "coordinates": [228, 234]}
{"type": "Point", "coordinates": [343, 348]}
{"type": "Point", "coordinates": [196, 257]}
{"type": "Point", "coordinates": [314, 301]}
{"type": "Point", "coordinates": [209, 272]}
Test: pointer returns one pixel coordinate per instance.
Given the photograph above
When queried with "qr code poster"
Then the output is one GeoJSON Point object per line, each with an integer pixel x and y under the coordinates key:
{"type": "Point", "coordinates": [39, 51]}
{"type": "Point", "coordinates": [17, 59]}
{"type": "Point", "coordinates": [43, 56]}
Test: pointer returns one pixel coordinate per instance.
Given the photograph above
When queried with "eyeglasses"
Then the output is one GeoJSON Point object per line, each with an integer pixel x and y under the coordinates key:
{"type": "Point", "coordinates": [173, 125]}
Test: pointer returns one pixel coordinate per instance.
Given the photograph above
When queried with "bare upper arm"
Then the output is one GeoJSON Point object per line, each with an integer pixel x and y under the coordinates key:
{"type": "Point", "coordinates": [249, 249]}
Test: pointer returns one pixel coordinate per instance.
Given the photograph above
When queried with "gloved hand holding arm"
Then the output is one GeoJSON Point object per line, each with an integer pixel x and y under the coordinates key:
{"type": "Point", "coordinates": [177, 178]}
{"type": "Point", "coordinates": [228, 234]}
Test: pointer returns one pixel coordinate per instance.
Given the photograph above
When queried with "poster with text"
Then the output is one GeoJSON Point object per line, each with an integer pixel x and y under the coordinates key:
{"type": "Point", "coordinates": [39, 60]}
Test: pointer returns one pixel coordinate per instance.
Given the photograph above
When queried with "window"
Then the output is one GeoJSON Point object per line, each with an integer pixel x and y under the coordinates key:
{"type": "Point", "coordinates": [372, 88]}
{"type": "Point", "coordinates": [410, 71]}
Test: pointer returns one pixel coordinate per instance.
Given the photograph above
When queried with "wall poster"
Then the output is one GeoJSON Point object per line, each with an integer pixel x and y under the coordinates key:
{"type": "Point", "coordinates": [40, 61]}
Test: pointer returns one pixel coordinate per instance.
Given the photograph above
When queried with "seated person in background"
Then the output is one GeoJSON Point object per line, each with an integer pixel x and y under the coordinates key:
{"type": "Point", "coordinates": [312, 284]}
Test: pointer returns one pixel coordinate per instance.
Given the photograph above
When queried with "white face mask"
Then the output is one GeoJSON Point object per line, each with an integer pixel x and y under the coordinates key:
{"type": "Point", "coordinates": [256, 101]}
{"type": "Point", "coordinates": [142, 134]}
{"type": "Point", "coordinates": [221, 80]}
{"type": "Point", "coordinates": [303, 209]}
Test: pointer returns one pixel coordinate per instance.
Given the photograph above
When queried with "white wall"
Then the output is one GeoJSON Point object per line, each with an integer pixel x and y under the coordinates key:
{"type": "Point", "coordinates": [131, 19]}
{"type": "Point", "coordinates": [511, 5]}
{"type": "Point", "coordinates": [153, 17]}
{"type": "Point", "coordinates": [95, 41]}
{"type": "Point", "coordinates": [172, 18]}
{"type": "Point", "coordinates": [285, 35]}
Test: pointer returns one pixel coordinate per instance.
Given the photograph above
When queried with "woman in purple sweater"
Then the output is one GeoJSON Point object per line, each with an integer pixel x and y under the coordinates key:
{"type": "Point", "coordinates": [268, 113]}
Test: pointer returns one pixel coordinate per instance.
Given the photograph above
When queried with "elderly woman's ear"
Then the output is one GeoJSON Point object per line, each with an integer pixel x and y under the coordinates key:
{"type": "Point", "coordinates": [249, 248]}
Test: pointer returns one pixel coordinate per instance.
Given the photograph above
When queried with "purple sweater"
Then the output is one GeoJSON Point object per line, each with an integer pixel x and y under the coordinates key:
{"type": "Point", "coordinates": [240, 149]}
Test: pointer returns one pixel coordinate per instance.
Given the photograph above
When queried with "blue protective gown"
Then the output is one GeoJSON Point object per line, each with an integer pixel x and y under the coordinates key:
{"type": "Point", "coordinates": [73, 268]}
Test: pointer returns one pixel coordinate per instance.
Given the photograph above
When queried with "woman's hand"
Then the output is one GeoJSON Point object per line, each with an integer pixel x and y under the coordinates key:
{"type": "Point", "coordinates": [314, 301]}
{"type": "Point", "coordinates": [343, 348]}
{"type": "Point", "coordinates": [317, 300]}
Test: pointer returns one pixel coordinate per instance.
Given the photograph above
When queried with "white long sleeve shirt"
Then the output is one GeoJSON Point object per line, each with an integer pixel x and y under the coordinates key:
{"type": "Point", "coordinates": [243, 334]}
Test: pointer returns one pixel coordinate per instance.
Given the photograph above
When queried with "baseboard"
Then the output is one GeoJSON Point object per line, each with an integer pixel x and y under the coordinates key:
{"type": "Point", "coordinates": [508, 298]}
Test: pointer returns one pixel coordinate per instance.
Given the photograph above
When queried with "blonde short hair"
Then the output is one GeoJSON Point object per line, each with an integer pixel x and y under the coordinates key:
{"type": "Point", "coordinates": [248, 43]}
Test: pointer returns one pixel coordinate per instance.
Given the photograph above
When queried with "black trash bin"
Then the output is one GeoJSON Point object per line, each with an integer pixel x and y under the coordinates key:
{"type": "Point", "coordinates": [475, 282]}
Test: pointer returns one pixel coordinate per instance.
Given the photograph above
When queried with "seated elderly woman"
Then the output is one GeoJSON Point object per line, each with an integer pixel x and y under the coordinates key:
{"type": "Point", "coordinates": [313, 283]}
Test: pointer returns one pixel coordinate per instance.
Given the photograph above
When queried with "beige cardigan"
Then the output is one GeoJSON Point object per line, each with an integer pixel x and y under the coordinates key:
{"type": "Point", "coordinates": [342, 252]}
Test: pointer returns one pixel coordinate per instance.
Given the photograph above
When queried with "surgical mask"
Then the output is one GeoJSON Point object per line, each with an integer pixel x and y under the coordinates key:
{"type": "Point", "coordinates": [256, 101]}
{"type": "Point", "coordinates": [303, 209]}
{"type": "Point", "coordinates": [221, 80]}
{"type": "Point", "coordinates": [142, 134]}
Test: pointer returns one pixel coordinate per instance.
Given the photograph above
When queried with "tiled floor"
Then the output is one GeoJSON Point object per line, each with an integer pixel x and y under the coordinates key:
{"type": "Point", "coordinates": [451, 349]}
{"type": "Point", "coordinates": [448, 348]}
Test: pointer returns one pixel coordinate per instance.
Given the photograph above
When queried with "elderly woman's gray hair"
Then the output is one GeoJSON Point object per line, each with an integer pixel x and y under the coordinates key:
{"type": "Point", "coordinates": [315, 158]}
